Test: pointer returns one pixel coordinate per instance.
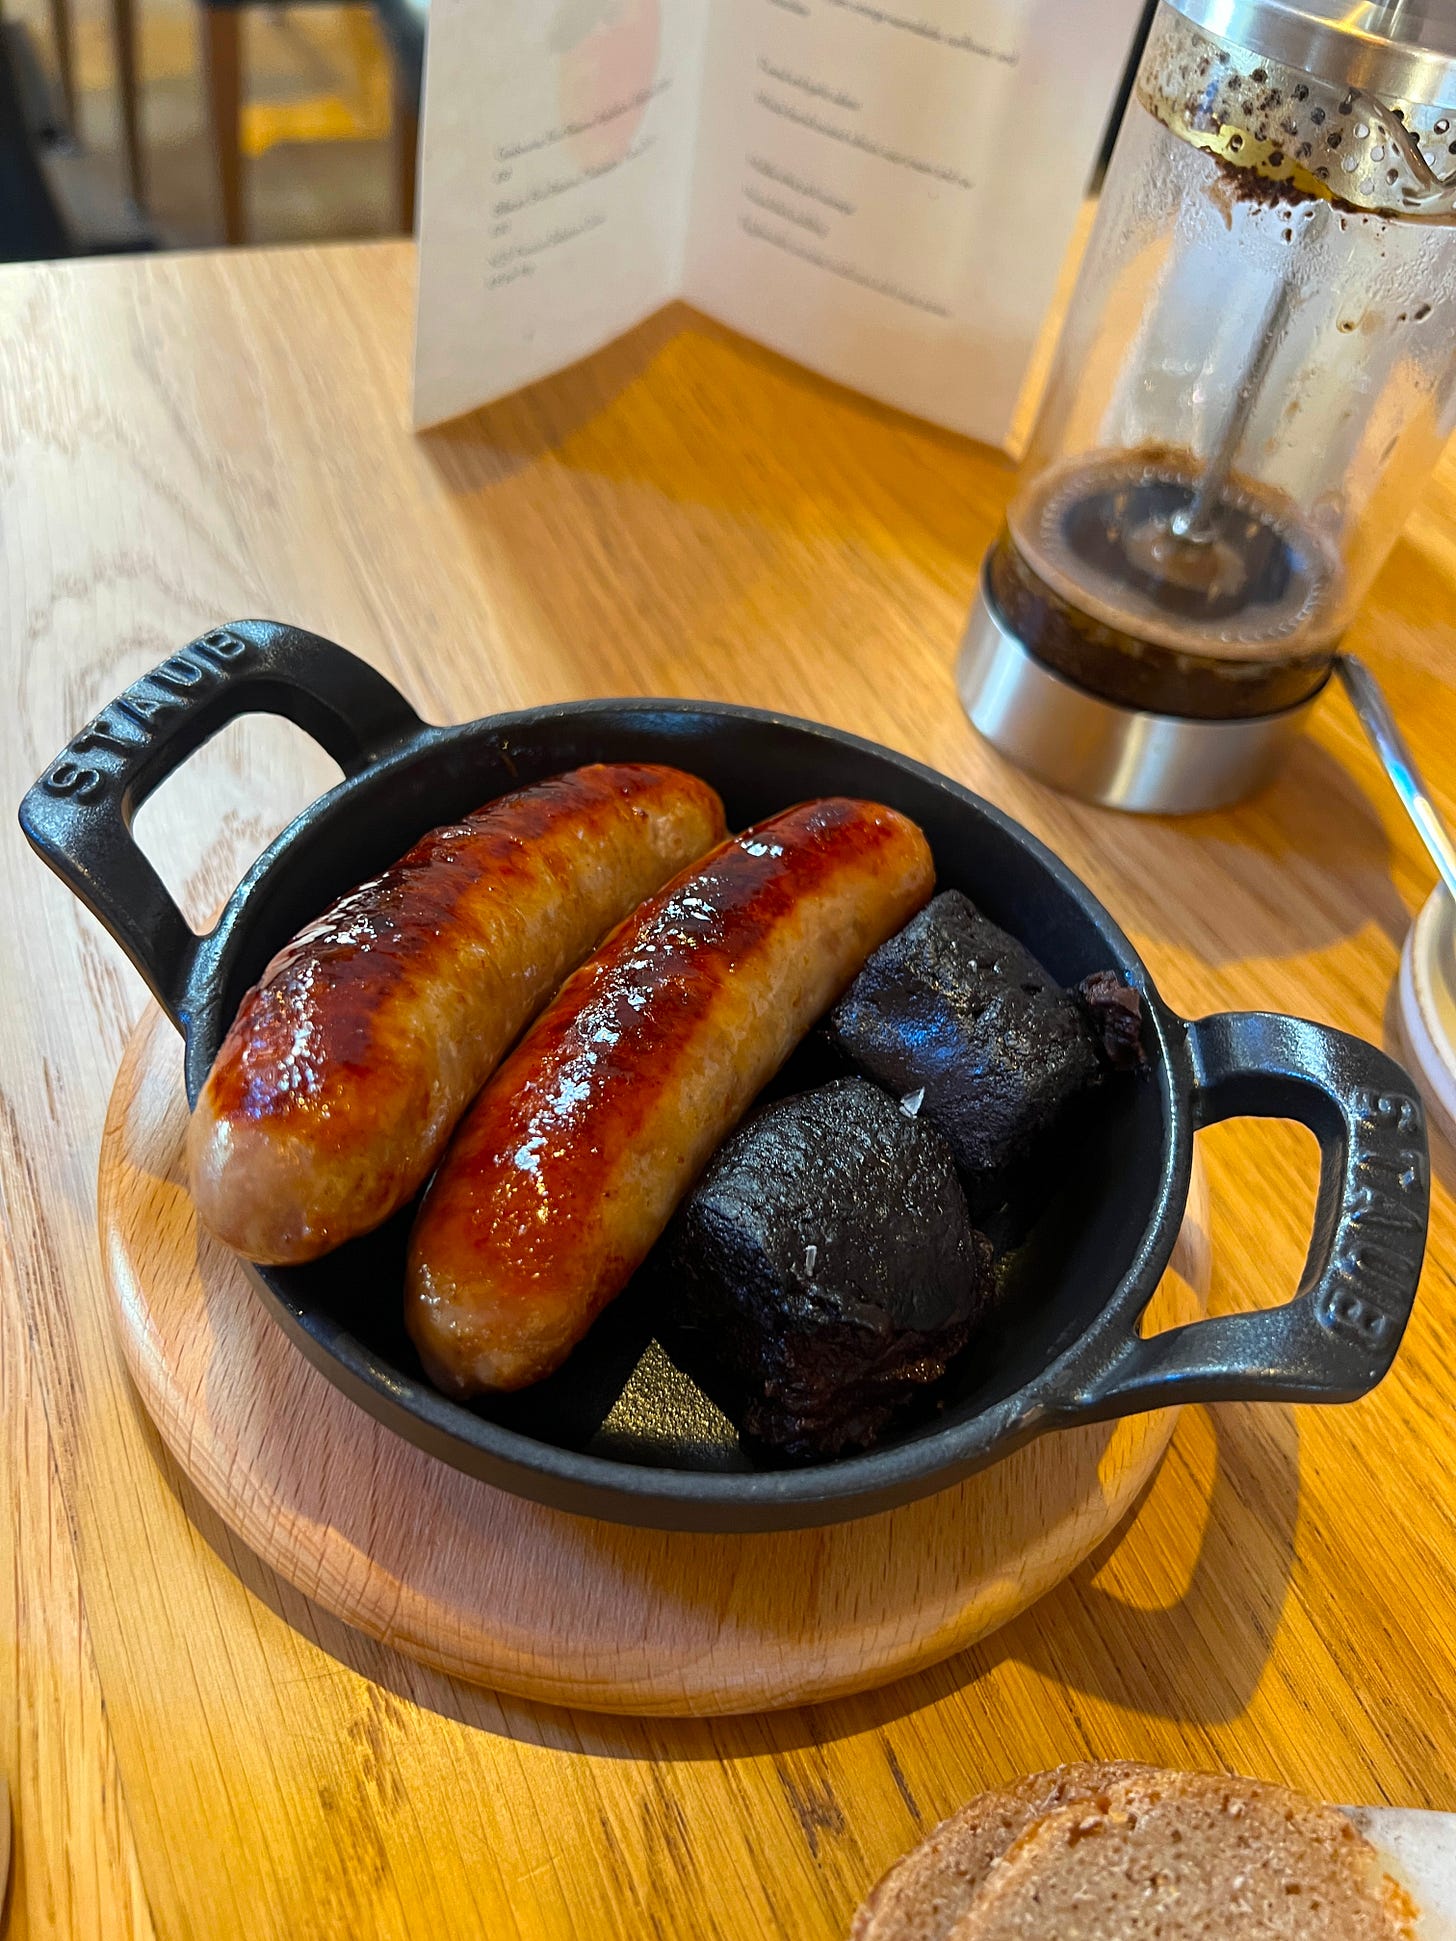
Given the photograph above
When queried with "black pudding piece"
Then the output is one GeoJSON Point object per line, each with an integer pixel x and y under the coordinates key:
{"type": "Point", "coordinates": [827, 1262]}
{"type": "Point", "coordinates": [957, 1011]}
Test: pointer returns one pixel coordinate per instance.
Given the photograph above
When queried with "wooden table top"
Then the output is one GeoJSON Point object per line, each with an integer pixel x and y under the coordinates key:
{"type": "Point", "coordinates": [193, 1749]}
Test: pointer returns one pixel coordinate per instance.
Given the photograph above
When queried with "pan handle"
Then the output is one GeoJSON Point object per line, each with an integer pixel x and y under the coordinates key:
{"type": "Point", "coordinates": [78, 816]}
{"type": "Point", "coordinates": [1338, 1336]}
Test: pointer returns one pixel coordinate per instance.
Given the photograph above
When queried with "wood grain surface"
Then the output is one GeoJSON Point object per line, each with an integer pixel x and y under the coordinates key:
{"type": "Point", "coordinates": [195, 1749]}
{"type": "Point", "coordinates": [474, 1581]}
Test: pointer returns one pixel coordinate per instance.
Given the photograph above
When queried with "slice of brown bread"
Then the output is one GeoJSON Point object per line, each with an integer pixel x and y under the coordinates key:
{"type": "Point", "coordinates": [1187, 1857]}
{"type": "Point", "coordinates": [923, 1896]}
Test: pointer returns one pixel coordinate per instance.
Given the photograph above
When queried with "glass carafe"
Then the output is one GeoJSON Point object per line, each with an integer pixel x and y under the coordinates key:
{"type": "Point", "coordinates": [1253, 381]}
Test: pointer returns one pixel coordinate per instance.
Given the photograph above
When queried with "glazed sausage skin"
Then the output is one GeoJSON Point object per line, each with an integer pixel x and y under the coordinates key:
{"type": "Point", "coordinates": [572, 1160]}
{"type": "Point", "coordinates": [368, 1035]}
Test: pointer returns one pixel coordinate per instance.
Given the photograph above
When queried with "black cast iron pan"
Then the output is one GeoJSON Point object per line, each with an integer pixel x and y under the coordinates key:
{"type": "Point", "coordinates": [620, 1432]}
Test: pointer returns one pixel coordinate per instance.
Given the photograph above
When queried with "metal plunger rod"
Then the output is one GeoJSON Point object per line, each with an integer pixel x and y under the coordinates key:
{"type": "Point", "coordinates": [1195, 521]}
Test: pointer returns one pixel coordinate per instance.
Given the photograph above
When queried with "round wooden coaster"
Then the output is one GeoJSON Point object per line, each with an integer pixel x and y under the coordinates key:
{"type": "Point", "coordinates": [531, 1601]}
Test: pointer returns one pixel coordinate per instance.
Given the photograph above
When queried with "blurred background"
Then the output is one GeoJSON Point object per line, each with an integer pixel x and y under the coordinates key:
{"type": "Point", "coordinates": [185, 124]}
{"type": "Point", "coordinates": [166, 124]}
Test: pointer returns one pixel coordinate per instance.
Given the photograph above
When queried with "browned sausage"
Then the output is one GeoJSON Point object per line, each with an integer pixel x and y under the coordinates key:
{"type": "Point", "coordinates": [572, 1160]}
{"type": "Point", "coordinates": [349, 1064]}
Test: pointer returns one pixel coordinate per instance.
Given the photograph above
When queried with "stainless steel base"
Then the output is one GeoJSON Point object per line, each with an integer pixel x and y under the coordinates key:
{"type": "Point", "coordinates": [1122, 758]}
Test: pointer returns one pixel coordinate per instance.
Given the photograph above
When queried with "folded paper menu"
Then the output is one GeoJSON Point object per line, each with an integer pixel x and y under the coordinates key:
{"type": "Point", "coordinates": [880, 189]}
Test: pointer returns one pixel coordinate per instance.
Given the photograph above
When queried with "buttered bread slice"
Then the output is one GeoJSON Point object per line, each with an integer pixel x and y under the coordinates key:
{"type": "Point", "coordinates": [1189, 1857]}
{"type": "Point", "coordinates": [1130, 1853]}
{"type": "Point", "coordinates": [923, 1896]}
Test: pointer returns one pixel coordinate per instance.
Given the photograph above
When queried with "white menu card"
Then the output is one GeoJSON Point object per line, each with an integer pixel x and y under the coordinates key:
{"type": "Point", "coordinates": [880, 189]}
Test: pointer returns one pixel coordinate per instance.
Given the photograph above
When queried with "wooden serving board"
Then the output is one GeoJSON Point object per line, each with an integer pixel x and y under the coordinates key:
{"type": "Point", "coordinates": [531, 1601]}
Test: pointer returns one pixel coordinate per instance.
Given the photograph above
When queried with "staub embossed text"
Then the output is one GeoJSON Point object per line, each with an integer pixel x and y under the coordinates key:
{"type": "Point", "coordinates": [94, 761]}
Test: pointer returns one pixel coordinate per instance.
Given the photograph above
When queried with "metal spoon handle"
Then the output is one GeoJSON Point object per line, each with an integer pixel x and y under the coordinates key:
{"type": "Point", "coordinates": [1390, 744]}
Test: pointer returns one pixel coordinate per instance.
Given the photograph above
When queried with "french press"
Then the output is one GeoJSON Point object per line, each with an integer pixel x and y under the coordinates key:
{"type": "Point", "coordinates": [1253, 381]}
